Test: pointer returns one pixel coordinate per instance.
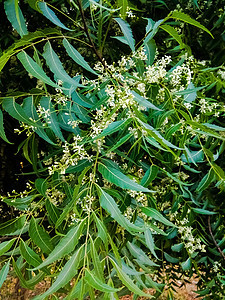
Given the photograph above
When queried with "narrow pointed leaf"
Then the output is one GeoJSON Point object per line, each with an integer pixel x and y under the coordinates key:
{"type": "Point", "coordinates": [5, 246]}
{"type": "Point", "coordinates": [29, 255]}
{"type": "Point", "coordinates": [34, 69]}
{"type": "Point", "coordinates": [153, 213]}
{"type": "Point", "coordinates": [15, 16]}
{"type": "Point", "coordinates": [150, 175]}
{"type": "Point", "coordinates": [50, 15]}
{"type": "Point", "coordinates": [109, 204]}
{"type": "Point", "coordinates": [118, 178]}
{"type": "Point", "coordinates": [173, 33]}
{"type": "Point", "coordinates": [52, 119]}
{"type": "Point", "coordinates": [77, 57]}
{"type": "Point", "coordinates": [65, 246]}
{"type": "Point", "coordinates": [128, 282]}
{"type": "Point", "coordinates": [4, 272]}
{"type": "Point", "coordinates": [123, 140]}
{"type": "Point", "coordinates": [140, 255]}
{"type": "Point", "coordinates": [186, 18]}
{"type": "Point", "coordinates": [125, 27]}
{"type": "Point", "coordinates": [2, 131]}
{"type": "Point", "coordinates": [67, 273]}
{"type": "Point", "coordinates": [40, 237]}
{"type": "Point", "coordinates": [150, 242]}
{"type": "Point", "coordinates": [144, 102]}
{"type": "Point", "coordinates": [55, 65]}
{"type": "Point", "coordinates": [206, 180]}
{"type": "Point", "coordinates": [114, 127]}
{"type": "Point", "coordinates": [96, 283]}
{"type": "Point", "coordinates": [96, 261]}
{"type": "Point", "coordinates": [102, 231]}
{"type": "Point", "coordinates": [12, 226]}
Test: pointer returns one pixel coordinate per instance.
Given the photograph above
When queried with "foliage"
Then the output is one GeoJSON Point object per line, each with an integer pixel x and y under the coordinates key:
{"type": "Point", "coordinates": [127, 156]}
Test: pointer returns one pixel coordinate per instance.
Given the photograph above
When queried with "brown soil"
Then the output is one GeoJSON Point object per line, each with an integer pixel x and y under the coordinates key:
{"type": "Point", "coordinates": [11, 290]}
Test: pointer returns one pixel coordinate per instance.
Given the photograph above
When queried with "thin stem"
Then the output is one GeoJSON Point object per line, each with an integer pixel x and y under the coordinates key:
{"type": "Point", "coordinates": [88, 35]}
{"type": "Point", "coordinates": [214, 240]}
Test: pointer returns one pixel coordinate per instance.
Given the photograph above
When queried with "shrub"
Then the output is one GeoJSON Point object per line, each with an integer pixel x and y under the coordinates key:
{"type": "Point", "coordinates": [127, 158]}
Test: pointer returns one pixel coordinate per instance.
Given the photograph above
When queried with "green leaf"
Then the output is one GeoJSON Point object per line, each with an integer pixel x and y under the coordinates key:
{"type": "Point", "coordinates": [27, 40]}
{"type": "Point", "coordinates": [186, 265]}
{"type": "Point", "coordinates": [13, 225]}
{"type": "Point", "coordinates": [185, 18]}
{"type": "Point", "coordinates": [150, 241]}
{"type": "Point", "coordinates": [55, 65]}
{"type": "Point", "coordinates": [53, 211]}
{"type": "Point", "coordinates": [123, 5]}
{"type": "Point", "coordinates": [173, 33]}
{"type": "Point", "coordinates": [96, 283]}
{"type": "Point", "coordinates": [102, 231]}
{"type": "Point", "coordinates": [177, 247]}
{"type": "Point", "coordinates": [77, 57]}
{"type": "Point", "coordinates": [52, 118]}
{"type": "Point", "coordinates": [20, 203]}
{"type": "Point", "coordinates": [140, 255]}
{"type": "Point", "coordinates": [5, 246]}
{"type": "Point", "coordinates": [119, 179]}
{"type": "Point", "coordinates": [128, 282]}
{"type": "Point", "coordinates": [155, 134]}
{"type": "Point", "coordinates": [150, 175]}
{"type": "Point", "coordinates": [67, 273]}
{"type": "Point", "coordinates": [109, 204]}
{"type": "Point", "coordinates": [15, 16]}
{"type": "Point", "coordinates": [193, 156]}
{"type": "Point", "coordinates": [41, 186]}
{"type": "Point", "coordinates": [81, 100]}
{"type": "Point", "coordinates": [16, 111]}
{"type": "Point", "coordinates": [123, 140]}
{"type": "Point", "coordinates": [23, 282]}
{"type": "Point", "coordinates": [153, 213]}
{"type": "Point", "coordinates": [170, 258]}
{"type": "Point", "coordinates": [29, 255]}
{"type": "Point", "coordinates": [4, 272]}
{"type": "Point", "coordinates": [65, 246]}
{"type": "Point", "coordinates": [50, 15]}
{"type": "Point", "coordinates": [114, 127]}
{"type": "Point", "coordinates": [34, 69]}
{"type": "Point", "coordinates": [125, 27]}
{"type": "Point", "coordinates": [150, 50]}
{"type": "Point", "coordinates": [144, 102]}
{"type": "Point", "coordinates": [40, 237]}
{"type": "Point", "coordinates": [206, 180]}
{"type": "Point", "coordinates": [96, 261]}
{"type": "Point", "coordinates": [203, 211]}
{"type": "Point", "coordinates": [2, 131]}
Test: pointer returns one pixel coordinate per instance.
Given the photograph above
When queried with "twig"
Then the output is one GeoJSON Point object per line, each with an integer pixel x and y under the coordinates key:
{"type": "Point", "coordinates": [214, 240]}
{"type": "Point", "coordinates": [88, 35]}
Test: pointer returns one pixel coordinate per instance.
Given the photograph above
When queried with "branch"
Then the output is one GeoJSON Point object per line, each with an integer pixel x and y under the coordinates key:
{"type": "Point", "coordinates": [214, 240]}
{"type": "Point", "coordinates": [87, 33]}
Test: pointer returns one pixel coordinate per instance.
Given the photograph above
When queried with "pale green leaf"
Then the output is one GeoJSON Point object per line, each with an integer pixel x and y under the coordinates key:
{"type": "Point", "coordinates": [15, 16]}
{"type": "Point", "coordinates": [114, 127]}
{"type": "Point", "coordinates": [150, 175]}
{"type": "Point", "coordinates": [140, 255]}
{"type": "Point", "coordinates": [119, 179]}
{"type": "Point", "coordinates": [34, 69]}
{"type": "Point", "coordinates": [50, 15]}
{"type": "Point", "coordinates": [125, 27]}
{"type": "Point", "coordinates": [150, 241]}
{"type": "Point", "coordinates": [144, 102]}
{"type": "Point", "coordinates": [206, 180]}
{"type": "Point", "coordinates": [173, 33]}
{"type": "Point", "coordinates": [29, 255]}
